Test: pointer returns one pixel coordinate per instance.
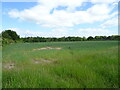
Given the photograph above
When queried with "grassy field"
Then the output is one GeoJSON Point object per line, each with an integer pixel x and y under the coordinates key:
{"type": "Point", "coordinates": [86, 64]}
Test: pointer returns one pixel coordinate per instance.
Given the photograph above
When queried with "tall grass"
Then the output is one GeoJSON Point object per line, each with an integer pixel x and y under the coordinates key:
{"type": "Point", "coordinates": [78, 65]}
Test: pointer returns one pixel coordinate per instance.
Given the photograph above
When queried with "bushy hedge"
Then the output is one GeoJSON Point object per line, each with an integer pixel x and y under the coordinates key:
{"type": "Point", "coordinates": [7, 41]}
{"type": "Point", "coordinates": [9, 36]}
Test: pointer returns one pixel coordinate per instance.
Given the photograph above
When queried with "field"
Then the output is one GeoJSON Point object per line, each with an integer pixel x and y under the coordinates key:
{"type": "Point", "coordinates": [85, 64]}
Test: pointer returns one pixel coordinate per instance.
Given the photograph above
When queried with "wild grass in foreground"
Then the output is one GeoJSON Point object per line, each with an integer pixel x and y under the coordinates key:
{"type": "Point", "coordinates": [89, 64]}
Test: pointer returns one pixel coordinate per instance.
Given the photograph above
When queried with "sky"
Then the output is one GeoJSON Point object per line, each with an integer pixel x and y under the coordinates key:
{"type": "Point", "coordinates": [58, 18]}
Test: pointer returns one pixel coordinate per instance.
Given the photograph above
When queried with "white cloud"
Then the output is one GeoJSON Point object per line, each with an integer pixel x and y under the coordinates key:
{"type": "Point", "coordinates": [0, 31]}
{"type": "Point", "coordinates": [95, 32]}
{"type": "Point", "coordinates": [104, 1]}
{"type": "Point", "coordinates": [60, 30]}
{"type": "Point", "coordinates": [65, 32]}
{"type": "Point", "coordinates": [40, 14]}
{"type": "Point", "coordinates": [94, 1]}
{"type": "Point", "coordinates": [62, 19]}
{"type": "Point", "coordinates": [110, 23]}
{"type": "Point", "coordinates": [54, 3]}
{"type": "Point", "coordinates": [14, 13]}
{"type": "Point", "coordinates": [28, 33]}
{"type": "Point", "coordinates": [114, 14]}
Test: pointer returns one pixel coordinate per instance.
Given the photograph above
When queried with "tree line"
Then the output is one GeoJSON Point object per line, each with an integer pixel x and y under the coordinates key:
{"type": "Point", "coordinates": [54, 39]}
{"type": "Point", "coordinates": [9, 36]}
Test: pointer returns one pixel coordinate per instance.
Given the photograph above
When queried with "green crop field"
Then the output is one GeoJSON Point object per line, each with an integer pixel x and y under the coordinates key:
{"type": "Point", "coordinates": [85, 64]}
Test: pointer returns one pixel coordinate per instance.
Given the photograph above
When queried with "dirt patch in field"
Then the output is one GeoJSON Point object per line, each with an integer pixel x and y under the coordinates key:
{"type": "Point", "coordinates": [47, 48]}
{"type": "Point", "coordinates": [9, 65]}
{"type": "Point", "coordinates": [42, 61]}
{"type": "Point", "coordinates": [46, 61]}
{"type": "Point", "coordinates": [36, 61]}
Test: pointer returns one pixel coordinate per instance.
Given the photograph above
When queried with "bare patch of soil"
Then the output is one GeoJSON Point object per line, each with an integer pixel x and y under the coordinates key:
{"type": "Point", "coordinates": [42, 61]}
{"type": "Point", "coordinates": [9, 65]}
{"type": "Point", "coordinates": [46, 61]}
{"type": "Point", "coordinates": [36, 61]}
{"type": "Point", "coordinates": [47, 48]}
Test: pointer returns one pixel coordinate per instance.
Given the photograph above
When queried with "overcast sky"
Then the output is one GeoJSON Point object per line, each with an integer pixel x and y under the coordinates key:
{"type": "Point", "coordinates": [57, 18]}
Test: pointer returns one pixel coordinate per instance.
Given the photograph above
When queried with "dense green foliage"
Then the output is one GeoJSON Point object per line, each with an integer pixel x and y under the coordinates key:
{"type": "Point", "coordinates": [96, 38]}
{"type": "Point", "coordinates": [9, 36]}
{"type": "Point", "coordinates": [85, 64]}
{"type": "Point", "coordinates": [0, 40]}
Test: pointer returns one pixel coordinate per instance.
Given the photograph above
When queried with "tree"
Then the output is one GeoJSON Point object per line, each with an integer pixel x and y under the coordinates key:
{"type": "Point", "coordinates": [90, 38]}
{"type": "Point", "coordinates": [97, 37]}
{"type": "Point", "coordinates": [84, 39]}
{"type": "Point", "coordinates": [9, 34]}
